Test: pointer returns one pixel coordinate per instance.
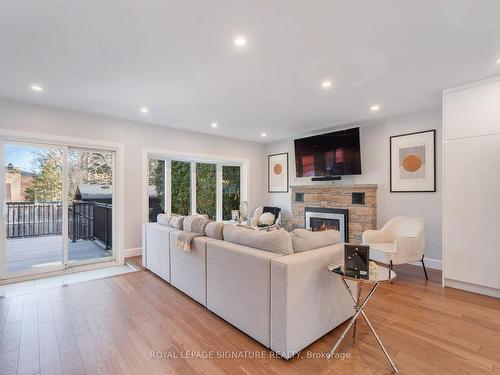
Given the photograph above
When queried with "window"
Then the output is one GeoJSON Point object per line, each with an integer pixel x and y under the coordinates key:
{"type": "Point", "coordinates": [156, 188]}
{"type": "Point", "coordinates": [230, 190]}
{"type": "Point", "coordinates": [180, 187]}
{"type": "Point", "coordinates": [185, 187]}
{"type": "Point", "coordinates": [206, 189]}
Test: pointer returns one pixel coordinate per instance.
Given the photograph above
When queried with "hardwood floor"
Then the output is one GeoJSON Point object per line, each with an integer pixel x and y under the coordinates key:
{"type": "Point", "coordinates": [110, 326]}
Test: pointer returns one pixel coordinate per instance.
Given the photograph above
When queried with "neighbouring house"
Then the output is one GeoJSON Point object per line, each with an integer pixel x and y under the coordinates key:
{"type": "Point", "coordinates": [16, 183]}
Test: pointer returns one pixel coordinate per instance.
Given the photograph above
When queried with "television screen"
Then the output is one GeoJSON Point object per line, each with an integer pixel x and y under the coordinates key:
{"type": "Point", "coordinates": [330, 154]}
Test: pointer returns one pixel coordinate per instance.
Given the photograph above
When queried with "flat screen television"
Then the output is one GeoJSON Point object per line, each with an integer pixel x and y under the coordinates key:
{"type": "Point", "coordinates": [330, 154]}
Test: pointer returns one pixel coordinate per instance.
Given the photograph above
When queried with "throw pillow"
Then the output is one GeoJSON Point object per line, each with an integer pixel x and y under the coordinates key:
{"type": "Point", "coordinates": [176, 222]}
{"type": "Point", "coordinates": [266, 219]}
{"type": "Point", "coordinates": [163, 219]}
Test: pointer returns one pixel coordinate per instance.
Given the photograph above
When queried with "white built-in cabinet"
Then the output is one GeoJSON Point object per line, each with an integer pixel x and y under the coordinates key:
{"type": "Point", "coordinates": [471, 187]}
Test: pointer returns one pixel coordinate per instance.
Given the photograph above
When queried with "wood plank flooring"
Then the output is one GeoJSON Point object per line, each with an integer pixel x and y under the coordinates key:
{"type": "Point", "coordinates": [111, 326]}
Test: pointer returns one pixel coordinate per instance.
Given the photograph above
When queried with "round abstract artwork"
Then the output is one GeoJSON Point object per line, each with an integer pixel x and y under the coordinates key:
{"type": "Point", "coordinates": [278, 168]}
{"type": "Point", "coordinates": [412, 163]}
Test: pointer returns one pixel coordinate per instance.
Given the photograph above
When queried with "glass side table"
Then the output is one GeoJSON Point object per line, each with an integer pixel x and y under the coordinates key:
{"type": "Point", "coordinates": [375, 278]}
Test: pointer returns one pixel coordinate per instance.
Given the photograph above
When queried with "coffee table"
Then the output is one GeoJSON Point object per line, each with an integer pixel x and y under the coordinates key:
{"type": "Point", "coordinates": [376, 277]}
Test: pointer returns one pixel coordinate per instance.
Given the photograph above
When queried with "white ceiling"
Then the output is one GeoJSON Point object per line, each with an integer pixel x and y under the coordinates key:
{"type": "Point", "coordinates": [177, 58]}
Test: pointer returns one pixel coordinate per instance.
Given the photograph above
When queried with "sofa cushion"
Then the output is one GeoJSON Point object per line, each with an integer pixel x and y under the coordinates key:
{"type": "Point", "coordinates": [215, 230]}
{"type": "Point", "coordinates": [277, 241]}
{"type": "Point", "coordinates": [304, 240]}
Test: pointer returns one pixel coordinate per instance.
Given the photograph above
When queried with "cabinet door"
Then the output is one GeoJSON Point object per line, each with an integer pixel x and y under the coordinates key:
{"type": "Point", "coordinates": [471, 210]}
{"type": "Point", "coordinates": [472, 111]}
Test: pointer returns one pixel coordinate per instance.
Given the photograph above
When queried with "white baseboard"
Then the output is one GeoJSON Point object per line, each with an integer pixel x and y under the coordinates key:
{"type": "Point", "coordinates": [133, 252]}
{"type": "Point", "coordinates": [435, 264]}
{"type": "Point", "coordinates": [472, 287]}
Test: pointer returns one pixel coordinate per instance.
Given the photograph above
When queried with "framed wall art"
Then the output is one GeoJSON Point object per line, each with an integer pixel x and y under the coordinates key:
{"type": "Point", "coordinates": [413, 162]}
{"type": "Point", "coordinates": [277, 165]}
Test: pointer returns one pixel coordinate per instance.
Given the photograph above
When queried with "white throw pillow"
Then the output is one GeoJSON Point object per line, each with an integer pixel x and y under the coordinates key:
{"type": "Point", "coordinates": [304, 240]}
{"type": "Point", "coordinates": [266, 218]}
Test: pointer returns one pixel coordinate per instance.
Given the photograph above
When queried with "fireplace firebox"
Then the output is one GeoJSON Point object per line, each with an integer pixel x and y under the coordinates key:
{"type": "Point", "coordinates": [319, 219]}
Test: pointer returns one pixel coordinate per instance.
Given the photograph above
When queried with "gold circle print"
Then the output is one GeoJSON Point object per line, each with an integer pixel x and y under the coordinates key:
{"type": "Point", "coordinates": [278, 168]}
{"type": "Point", "coordinates": [412, 163]}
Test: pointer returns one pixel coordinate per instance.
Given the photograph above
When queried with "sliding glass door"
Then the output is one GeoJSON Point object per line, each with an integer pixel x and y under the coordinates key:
{"type": "Point", "coordinates": [90, 205]}
{"type": "Point", "coordinates": [32, 238]}
{"type": "Point", "coordinates": [57, 207]}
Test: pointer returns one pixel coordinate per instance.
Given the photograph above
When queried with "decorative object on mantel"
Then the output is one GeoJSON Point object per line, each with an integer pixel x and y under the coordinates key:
{"type": "Point", "coordinates": [413, 162]}
{"type": "Point", "coordinates": [278, 173]}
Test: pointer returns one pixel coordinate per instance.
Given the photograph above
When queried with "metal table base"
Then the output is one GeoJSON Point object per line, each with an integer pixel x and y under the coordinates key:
{"type": "Point", "coordinates": [359, 308]}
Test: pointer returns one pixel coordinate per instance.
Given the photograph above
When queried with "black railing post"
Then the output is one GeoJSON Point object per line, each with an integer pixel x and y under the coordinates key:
{"type": "Point", "coordinates": [74, 223]}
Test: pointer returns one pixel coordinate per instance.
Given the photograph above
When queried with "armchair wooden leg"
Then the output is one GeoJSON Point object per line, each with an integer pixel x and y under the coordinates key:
{"type": "Point", "coordinates": [423, 265]}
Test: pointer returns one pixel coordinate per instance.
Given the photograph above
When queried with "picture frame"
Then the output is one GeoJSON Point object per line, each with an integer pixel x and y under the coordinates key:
{"type": "Point", "coordinates": [277, 173]}
{"type": "Point", "coordinates": [413, 162]}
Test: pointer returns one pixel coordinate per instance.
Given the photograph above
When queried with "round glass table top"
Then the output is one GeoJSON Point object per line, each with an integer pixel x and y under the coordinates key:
{"type": "Point", "coordinates": [378, 274]}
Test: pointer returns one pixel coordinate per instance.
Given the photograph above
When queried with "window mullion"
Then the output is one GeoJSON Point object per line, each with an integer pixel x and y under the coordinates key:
{"type": "Point", "coordinates": [218, 196]}
{"type": "Point", "coordinates": [193, 188]}
{"type": "Point", "coordinates": [168, 186]}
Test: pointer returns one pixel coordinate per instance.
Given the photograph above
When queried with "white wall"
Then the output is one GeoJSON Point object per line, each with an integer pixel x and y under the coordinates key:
{"type": "Point", "coordinates": [135, 136]}
{"type": "Point", "coordinates": [375, 170]}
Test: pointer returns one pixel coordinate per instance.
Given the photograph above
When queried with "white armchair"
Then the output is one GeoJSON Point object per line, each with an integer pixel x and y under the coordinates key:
{"type": "Point", "coordinates": [401, 240]}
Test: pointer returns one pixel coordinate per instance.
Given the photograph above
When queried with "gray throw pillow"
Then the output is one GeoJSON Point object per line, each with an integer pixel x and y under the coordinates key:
{"type": "Point", "coordinates": [176, 221]}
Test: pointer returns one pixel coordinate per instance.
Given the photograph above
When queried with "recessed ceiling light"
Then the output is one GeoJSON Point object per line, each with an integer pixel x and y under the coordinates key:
{"type": "Point", "coordinates": [37, 88]}
{"type": "Point", "coordinates": [326, 84]}
{"type": "Point", "coordinates": [144, 110]}
{"type": "Point", "coordinates": [375, 108]}
{"type": "Point", "coordinates": [263, 135]}
{"type": "Point", "coordinates": [214, 125]}
{"type": "Point", "coordinates": [498, 61]}
{"type": "Point", "coordinates": [240, 41]}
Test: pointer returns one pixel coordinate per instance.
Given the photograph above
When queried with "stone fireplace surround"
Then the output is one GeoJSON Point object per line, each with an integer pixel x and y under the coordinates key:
{"type": "Point", "coordinates": [362, 215]}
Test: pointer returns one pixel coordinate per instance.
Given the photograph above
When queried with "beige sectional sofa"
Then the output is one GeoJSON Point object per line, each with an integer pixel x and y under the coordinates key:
{"type": "Point", "coordinates": [285, 302]}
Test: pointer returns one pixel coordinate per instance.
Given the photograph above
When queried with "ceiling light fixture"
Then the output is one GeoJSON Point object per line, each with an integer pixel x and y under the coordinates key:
{"type": "Point", "coordinates": [144, 110]}
{"type": "Point", "coordinates": [214, 125]}
{"type": "Point", "coordinates": [498, 61]}
{"type": "Point", "coordinates": [37, 88]}
{"type": "Point", "coordinates": [326, 84]}
{"type": "Point", "coordinates": [263, 135]}
{"type": "Point", "coordinates": [240, 41]}
{"type": "Point", "coordinates": [375, 108]}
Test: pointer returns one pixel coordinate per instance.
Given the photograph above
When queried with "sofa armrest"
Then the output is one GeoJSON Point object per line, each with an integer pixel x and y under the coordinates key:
{"type": "Point", "coordinates": [307, 301]}
{"type": "Point", "coordinates": [408, 249]}
{"type": "Point", "coordinates": [372, 236]}
{"type": "Point", "coordinates": [239, 287]}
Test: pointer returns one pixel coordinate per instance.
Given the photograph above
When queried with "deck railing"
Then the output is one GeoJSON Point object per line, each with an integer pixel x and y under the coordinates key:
{"type": "Point", "coordinates": [86, 220]}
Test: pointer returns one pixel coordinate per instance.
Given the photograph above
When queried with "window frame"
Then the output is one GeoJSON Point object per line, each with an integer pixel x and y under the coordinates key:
{"type": "Point", "coordinates": [220, 162]}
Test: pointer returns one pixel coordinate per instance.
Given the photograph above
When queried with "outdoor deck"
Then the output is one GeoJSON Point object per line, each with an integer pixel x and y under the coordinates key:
{"type": "Point", "coordinates": [33, 252]}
